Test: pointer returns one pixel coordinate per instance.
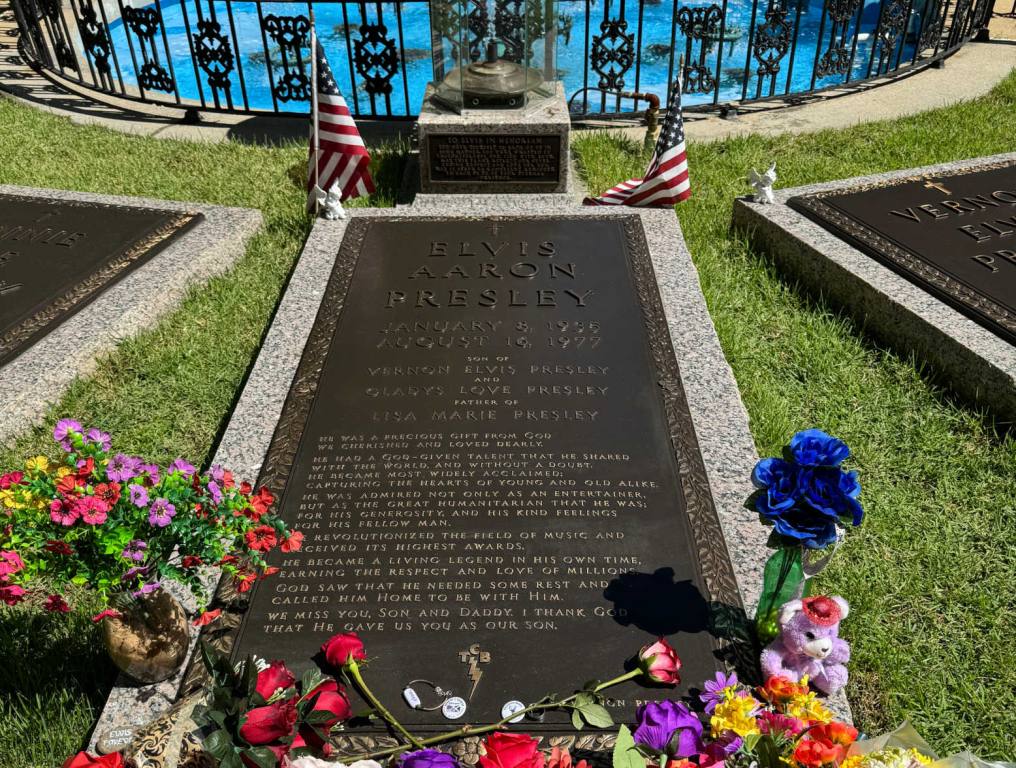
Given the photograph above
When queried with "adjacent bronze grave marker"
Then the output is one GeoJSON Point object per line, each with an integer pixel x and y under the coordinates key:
{"type": "Point", "coordinates": [953, 234]}
{"type": "Point", "coordinates": [58, 255]}
{"type": "Point", "coordinates": [488, 448]}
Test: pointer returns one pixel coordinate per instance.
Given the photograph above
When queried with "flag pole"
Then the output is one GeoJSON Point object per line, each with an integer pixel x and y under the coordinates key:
{"type": "Point", "coordinates": [314, 109]}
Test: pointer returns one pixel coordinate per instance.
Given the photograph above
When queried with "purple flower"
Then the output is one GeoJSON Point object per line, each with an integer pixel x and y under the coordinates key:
{"type": "Point", "coordinates": [134, 571]}
{"type": "Point", "coordinates": [61, 433]}
{"type": "Point", "coordinates": [139, 496]}
{"type": "Point", "coordinates": [122, 468]}
{"type": "Point", "coordinates": [217, 473]}
{"type": "Point", "coordinates": [135, 550]}
{"type": "Point", "coordinates": [215, 492]}
{"type": "Point", "coordinates": [714, 690]}
{"type": "Point", "coordinates": [724, 746]}
{"type": "Point", "coordinates": [152, 470]}
{"type": "Point", "coordinates": [179, 465]}
{"type": "Point", "coordinates": [147, 589]}
{"type": "Point", "coordinates": [160, 514]}
{"type": "Point", "coordinates": [98, 437]}
{"type": "Point", "coordinates": [427, 758]}
{"type": "Point", "coordinates": [669, 726]}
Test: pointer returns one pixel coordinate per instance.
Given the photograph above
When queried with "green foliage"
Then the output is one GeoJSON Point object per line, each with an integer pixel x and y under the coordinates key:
{"type": "Point", "coordinates": [626, 755]}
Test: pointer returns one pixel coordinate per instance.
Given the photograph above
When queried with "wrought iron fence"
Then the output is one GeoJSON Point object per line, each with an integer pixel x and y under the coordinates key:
{"type": "Point", "coordinates": [251, 56]}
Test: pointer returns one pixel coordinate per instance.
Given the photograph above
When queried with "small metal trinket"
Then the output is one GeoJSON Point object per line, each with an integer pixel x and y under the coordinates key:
{"type": "Point", "coordinates": [510, 708]}
{"type": "Point", "coordinates": [454, 708]}
{"type": "Point", "coordinates": [411, 697]}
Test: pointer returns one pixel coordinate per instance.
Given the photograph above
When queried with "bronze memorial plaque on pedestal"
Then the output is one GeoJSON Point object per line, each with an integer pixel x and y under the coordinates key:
{"type": "Point", "coordinates": [58, 255]}
{"type": "Point", "coordinates": [953, 234]}
{"type": "Point", "coordinates": [486, 157]}
{"type": "Point", "coordinates": [488, 448]}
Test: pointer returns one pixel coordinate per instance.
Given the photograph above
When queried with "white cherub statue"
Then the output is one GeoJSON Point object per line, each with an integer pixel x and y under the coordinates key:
{"type": "Point", "coordinates": [328, 203]}
{"type": "Point", "coordinates": [763, 185]}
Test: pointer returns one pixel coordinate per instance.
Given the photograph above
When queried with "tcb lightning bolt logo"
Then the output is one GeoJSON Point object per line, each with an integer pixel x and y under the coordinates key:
{"type": "Point", "coordinates": [474, 657]}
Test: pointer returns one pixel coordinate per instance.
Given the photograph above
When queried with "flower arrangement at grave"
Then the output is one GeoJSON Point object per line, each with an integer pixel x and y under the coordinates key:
{"type": "Point", "coordinates": [809, 499]}
{"type": "Point", "coordinates": [123, 528]}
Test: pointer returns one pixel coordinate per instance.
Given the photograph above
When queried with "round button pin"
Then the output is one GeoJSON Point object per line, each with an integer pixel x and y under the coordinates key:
{"type": "Point", "coordinates": [454, 708]}
{"type": "Point", "coordinates": [510, 708]}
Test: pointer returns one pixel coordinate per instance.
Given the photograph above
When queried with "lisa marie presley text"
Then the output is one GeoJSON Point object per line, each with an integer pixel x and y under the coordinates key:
{"type": "Point", "coordinates": [523, 261]}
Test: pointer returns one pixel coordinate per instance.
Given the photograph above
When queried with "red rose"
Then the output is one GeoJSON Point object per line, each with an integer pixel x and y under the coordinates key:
{"type": "Point", "coordinates": [511, 750]}
{"type": "Point", "coordinates": [659, 663]}
{"type": "Point", "coordinates": [308, 738]}
{"type": "Point", "coordinates": [340, 649]}
{"type": "Point", "coordinates": [85, 760]}
{"type": "Point", "coordinates": [331, 697]}
{"type": "Point", "coordinates": [58, 547]}
{"type": "Point", "coordinates": [293, 542]}
{"type": "Point", "coordinates": [274, 677]}
{"type": "Point", "coordinates": [264, 725]}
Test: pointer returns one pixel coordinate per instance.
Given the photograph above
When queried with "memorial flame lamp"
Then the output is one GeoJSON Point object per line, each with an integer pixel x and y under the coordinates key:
{"type": "Point", "coordinates": [492, 55]}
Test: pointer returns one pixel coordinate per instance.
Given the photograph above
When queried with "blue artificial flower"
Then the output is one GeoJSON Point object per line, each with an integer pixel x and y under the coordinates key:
{"type": "Point", "coordinates": [814, 448]}
{"type": "Point", "coordinates": [779, 478]}
{"type": "Point", "coordinates": [832, 492]}
{"type": "Point", "coordinates": [806, 526]}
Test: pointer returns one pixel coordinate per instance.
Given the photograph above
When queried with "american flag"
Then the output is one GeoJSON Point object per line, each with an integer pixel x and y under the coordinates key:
{"type": "Point", "coordinates": [338, 157]}
{"type": "Point", "coordinates": [666, 182]}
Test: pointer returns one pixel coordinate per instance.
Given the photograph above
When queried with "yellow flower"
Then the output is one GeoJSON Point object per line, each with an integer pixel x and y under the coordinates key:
{"type": "Point", "coordinates": [854, 761]}
{"type": "Point", "coordinates": [807, 707]}
{"type": "Point", "coordinates": [735, 713]}
{"type": "Point", "coordinates": [62, 472]}
{"type": "Point", "coordinates": [38, 464]}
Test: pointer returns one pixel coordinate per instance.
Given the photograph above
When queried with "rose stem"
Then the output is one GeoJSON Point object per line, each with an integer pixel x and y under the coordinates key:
{"type": "Point", "coordinates": [354, 671]}
{"type": "Point", "coordinates": [468, 730]}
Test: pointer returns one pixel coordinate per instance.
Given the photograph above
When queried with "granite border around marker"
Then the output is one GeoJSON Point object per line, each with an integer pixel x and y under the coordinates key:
{"type": "Point", "coordinates": [978, 364]}
{"type": "Point", "coordinates": [37, 378]}
{"type": "Point", "coordinates": [718, 414]}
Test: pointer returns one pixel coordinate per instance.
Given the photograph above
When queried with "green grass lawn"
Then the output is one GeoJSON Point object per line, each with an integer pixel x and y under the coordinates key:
{"type": "Point", "coordinates": [929, 575]}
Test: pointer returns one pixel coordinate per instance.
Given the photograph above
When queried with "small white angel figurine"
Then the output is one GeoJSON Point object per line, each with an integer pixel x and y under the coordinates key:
{"type": "Point", "coordinates": [329, 204]}
{"type": "Point", "coordinates": [763, 185]}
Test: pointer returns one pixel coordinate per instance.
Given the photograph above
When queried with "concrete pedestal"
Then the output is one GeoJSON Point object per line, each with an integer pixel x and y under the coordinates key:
{"type": "Point", "coordinates": [495, 151]}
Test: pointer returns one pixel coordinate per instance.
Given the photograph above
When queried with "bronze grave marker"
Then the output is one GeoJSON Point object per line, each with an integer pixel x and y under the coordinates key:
{"type": "Point", "coordinates": [488, 448]}
{"type": "Point", "coordinates": [953, 234]}
{"type": "Point", "coordinates": [58, 255]}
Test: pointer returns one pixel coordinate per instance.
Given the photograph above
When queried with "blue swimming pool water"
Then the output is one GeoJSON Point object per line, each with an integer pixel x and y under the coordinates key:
{"type": "Point", "coordinates": [407, 93]}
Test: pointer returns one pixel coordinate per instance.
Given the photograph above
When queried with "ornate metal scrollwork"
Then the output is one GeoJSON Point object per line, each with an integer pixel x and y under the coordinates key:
{"type": "Point", "coordinates": [375, 58]}
{"type": "Point", "coordinates": [612, 53]}
{"type": "Point", "coordinates": [64, 55]}
{"type": "Point", "coordinates": [449, 22]}
{"type": "Point", "coordinates": [931, 31]}
{"type": "Point", "coordinates": [701, 27]}
{"type": "Point", "coordinates": [96, 41]}
{"type": "Point", "coordinates": [772, 40]}
{"type": "Point", "coordinates": [509, 27]}
{"type": "Point", "coordinates": [836, 59]}
{"type": "Point", "coordinates": [146, 23]}
{"type": "Point", "coordinates": [214, 55]}
{"type": "Point", "coordinates": [291, 34]}
{"type": "Point", "coordinates": [891, 22]}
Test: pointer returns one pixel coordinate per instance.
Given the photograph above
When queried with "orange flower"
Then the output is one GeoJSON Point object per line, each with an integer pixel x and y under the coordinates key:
{"type": "Point", "coordinates": [840, 734]}
{"type": "Point", "coordinates": [813, 754]}
{"type": "Point", "coordinates": [561, 758]}
{"type": "Point", "coordinates": [782, 689]}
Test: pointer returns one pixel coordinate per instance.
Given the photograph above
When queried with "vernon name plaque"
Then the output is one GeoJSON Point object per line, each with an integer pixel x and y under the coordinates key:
{"type": "Point", "coordinates": [953, 234]}
{"type": "Point", "coordinates": [489, 451]}
{"type": "Point", "coordinates": [57, 255]}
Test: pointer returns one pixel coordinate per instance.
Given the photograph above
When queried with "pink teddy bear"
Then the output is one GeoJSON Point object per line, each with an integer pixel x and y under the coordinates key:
{"type": "Point", "coordinates": [809, 644]}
